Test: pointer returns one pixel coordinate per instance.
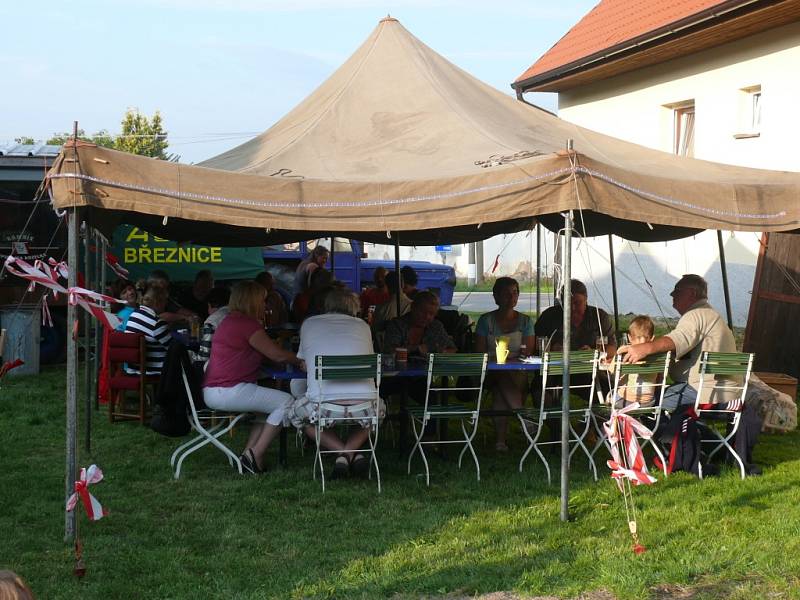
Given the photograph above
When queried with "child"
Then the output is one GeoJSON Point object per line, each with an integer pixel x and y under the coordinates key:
{"type": "Point", "coordinates": [634, 387]}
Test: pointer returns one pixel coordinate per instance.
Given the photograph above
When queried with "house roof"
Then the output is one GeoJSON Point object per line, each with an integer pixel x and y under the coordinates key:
{"type": "Point", "coordinates": [633, 33]}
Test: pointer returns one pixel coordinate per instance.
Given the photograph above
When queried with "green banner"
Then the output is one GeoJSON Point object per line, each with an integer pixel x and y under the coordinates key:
{"type": "Point", "coordinates": [140, 252]}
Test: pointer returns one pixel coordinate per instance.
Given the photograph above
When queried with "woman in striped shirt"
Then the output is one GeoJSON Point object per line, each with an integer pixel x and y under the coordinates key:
{"type": "Point", "coordinates": [145, 320]}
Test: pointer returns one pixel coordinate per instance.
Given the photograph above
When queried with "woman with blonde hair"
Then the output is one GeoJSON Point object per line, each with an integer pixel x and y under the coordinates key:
{"type": "Point", "coordinates": [12, 587]}
{"type": "Point", "coordinates": [240, 346]}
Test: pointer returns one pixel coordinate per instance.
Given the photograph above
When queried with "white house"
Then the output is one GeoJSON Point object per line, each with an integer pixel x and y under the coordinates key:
{"type": "Point", "coordinates": [717, 80]}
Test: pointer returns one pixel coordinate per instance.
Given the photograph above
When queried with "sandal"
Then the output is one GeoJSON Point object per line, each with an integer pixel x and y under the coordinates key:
{"type": "Point", "coordinates": [341, 468]}
{"type": "Point", "coordinates": [249, 464]}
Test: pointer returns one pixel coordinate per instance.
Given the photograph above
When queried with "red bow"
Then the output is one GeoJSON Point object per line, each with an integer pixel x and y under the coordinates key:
{"type": "Point", "coordinates": [94, 510]}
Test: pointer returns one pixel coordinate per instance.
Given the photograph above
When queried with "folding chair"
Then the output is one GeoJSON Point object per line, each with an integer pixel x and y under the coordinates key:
{"type": "Point", "coordinates": [444, 366]}
{"type": "Point", "coordinates": [631, 380]}
{"type": "Point", "coordinates": [333, 412]}
{"type": "Point", "coordinates": [582, 362]}
{"type": "Point", "coordinates": [728, 375]}
{"type": "Point", "coordinates": [210, 425]}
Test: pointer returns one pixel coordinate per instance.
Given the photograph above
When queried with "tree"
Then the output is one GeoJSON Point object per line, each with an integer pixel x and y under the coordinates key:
{"type": "Point", "coordinates": [24, 140]}
{"type": "Point", "coordinates": [143, 136]}
{"type": "Point", "coordinates": [101, 138]}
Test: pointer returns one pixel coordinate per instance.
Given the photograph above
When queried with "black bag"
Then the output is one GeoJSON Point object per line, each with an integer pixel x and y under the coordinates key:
{"type": "Point", "coordinates": [172, 404]}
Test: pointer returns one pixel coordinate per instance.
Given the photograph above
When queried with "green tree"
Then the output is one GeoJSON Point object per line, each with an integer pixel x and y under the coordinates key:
{"type": "Point", "coordinates": [143, 136]}
{"type": "Point", "coordinates": [24, 140]}
{"type": "Point", "coordinates": [101, 138]}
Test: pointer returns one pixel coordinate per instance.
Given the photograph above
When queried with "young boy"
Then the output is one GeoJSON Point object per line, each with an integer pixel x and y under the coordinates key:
{"type": "Point", "coordinates": [637, 388]}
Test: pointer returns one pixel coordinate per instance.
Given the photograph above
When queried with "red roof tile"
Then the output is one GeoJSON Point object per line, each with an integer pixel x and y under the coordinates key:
{"type": "Point", "coordinates": [613, 22]}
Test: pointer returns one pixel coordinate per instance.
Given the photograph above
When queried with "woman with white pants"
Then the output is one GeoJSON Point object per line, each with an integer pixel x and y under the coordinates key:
{"type": "Point", "coordinates": [239, 348]}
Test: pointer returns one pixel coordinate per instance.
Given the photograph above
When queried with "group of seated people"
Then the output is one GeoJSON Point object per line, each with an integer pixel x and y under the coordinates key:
{"type": "Point", "coordinates": [234, 342]}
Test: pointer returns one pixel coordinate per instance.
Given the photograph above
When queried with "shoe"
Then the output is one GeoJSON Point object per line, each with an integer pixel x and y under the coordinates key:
{"type": "Point", "coordinates": [500, 447]}
{"type": "Point", "coordinates": [341, 468]}
{"type": "Point", "coordinates": [360, 466]}
{"type": "Point", "coordinates": [249, 464]}
{"type": "Point", "coordinates": [752, 470]}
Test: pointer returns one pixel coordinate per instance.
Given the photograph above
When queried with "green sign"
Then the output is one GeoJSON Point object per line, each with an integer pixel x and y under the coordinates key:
{"type": "Point", "coordinates": [140, 252]}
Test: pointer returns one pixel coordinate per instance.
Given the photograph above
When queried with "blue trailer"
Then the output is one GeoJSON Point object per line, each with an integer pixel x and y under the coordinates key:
{"type": "Point", "coordinates": [351, 267]}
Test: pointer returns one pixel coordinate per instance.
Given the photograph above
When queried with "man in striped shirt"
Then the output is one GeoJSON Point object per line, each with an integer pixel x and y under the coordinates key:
{"type": "Point", "coordinates": [145, 320]}
{"type": "Point", "coordinates": [217, 310]}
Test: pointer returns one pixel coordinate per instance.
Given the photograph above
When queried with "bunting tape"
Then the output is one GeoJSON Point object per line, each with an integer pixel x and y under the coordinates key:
{"type": "Point", "coordinates": [633, 467]}
{"type": "Point", "coordinates": [94, 510]}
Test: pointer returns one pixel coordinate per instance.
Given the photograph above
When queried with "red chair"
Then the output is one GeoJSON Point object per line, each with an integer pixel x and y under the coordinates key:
{"type": "Point", "coordinates": [128, 348]}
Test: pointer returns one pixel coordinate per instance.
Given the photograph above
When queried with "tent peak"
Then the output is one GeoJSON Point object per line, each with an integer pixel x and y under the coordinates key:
{"type": "Point", "coordinates": [388, 19]}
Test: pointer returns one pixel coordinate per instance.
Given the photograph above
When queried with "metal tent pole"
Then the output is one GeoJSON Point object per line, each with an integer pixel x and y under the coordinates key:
{"type": "Point", "coordinates": [87, 326]}
{"type": "Point", "coordinates": [397, 270]}
{"type": "Point", "coordinates": [538, 269]}
{"type": "Point", "coordinates": [614, 285]}
{"type": "Point", "coordinates": [72, 356]}
{"type": "Point", "coordinates": [98, 266]}
{"type": "Point", "coordinates": [566, 275]}
{"type": "Point", "coordinates": [333, 255]}
{"type": "Point", "coordinates": [725, 289]}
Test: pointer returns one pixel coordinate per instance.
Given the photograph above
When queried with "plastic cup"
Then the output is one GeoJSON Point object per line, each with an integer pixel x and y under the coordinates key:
{"type": "Point", "coordinates": [501, 350]}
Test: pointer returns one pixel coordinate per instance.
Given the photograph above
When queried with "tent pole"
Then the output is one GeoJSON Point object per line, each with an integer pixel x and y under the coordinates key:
{"type": "Point", "coordinates": [725, 289]}
{"type": "Point", "coordinates": [397, 270]}
{"type": "Point", "coordinates": [614, 285]}
{"type": "Point", "coordinates": [87, 325]}
{"type": "Point", "coordinates": [72, 357]}
{"type": "Point", "coordinates": [538, 269]}
{"type": "Point", "coordinates": [566, 276]}
{"type": "Point", "coordinates": [99, 287]}
{"type": "Point", "coordinates": [333, 243]}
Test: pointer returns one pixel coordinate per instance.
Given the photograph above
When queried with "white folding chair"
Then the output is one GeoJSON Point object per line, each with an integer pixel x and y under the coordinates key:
{"type": "Point", "coordinates": [330, 369]}
{"type": "Point", "coordinates": [210, 426]}
{"type": "Point", "coordinates": [582, 362]}
{"type": "Point", "coordinates": [444, 366]}
{"type": "Point", "coordinates": [724, 377]}
{"type": "Point", "coordinates": [644, 378]}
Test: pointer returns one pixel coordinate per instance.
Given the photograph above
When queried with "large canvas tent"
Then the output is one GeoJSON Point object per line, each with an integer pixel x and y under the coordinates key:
{"type": "Point", "coordinates": [398, 139]}
{"type": "Point", "coordinates": [400, 143]}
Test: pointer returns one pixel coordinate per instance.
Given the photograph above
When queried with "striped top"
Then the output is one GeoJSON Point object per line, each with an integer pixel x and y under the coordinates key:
{"type": "Point", "coordinates": [145, 320]}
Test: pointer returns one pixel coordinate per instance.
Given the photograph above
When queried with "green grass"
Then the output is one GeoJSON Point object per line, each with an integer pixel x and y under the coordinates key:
{"type": "Point", "coordinates": [215, 534]}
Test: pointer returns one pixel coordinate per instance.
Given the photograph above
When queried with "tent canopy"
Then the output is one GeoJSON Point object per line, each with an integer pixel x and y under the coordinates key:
{"type": "Point", "coordinates": [400, 140]}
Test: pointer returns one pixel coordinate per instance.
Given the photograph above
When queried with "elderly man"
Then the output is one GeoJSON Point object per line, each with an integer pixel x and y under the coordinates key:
{"type": "Point", "coordinates": [700, 329]}
{"type": "Point", "coordinates": [589, 324]}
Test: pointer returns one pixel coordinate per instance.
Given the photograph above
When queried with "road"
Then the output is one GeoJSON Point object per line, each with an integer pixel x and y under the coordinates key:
{"type": "Point", "coordinates": [484, 302]}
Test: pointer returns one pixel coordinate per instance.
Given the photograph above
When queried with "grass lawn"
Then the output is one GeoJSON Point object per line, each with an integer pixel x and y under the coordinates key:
{"type": "Point", "coordinates": [215, 534]}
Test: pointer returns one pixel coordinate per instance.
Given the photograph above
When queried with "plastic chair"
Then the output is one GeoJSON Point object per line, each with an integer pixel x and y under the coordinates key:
{"type": "Point", "coordinates": [631, 380]}
{"type": "Point", "coordinates": [444, 366]}
{"type": "Point", "coordinates": [582, 362]}
{"type": "Point", "coordinates": [333, 412]}
{"type": "Point", "coordinates": [210, 426]}
{"type": "Point", "coordinates": [127, 348]}
{"type": "Point", "coordinates": [727, 374]}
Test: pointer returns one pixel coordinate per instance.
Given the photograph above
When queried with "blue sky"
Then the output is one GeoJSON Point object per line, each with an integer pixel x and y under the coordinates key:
{"type": "Point", "coordinates": [220, 72]}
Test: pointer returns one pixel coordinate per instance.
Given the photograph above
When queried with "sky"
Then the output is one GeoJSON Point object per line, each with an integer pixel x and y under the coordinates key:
{"type": "Point", "coordinates": [221, 72]}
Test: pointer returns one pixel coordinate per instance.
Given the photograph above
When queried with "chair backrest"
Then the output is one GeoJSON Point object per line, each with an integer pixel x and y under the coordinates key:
{"type": "Point", "coordinates": [125, 347]}
{"type": "Point", "coordinates": [464, 367]}
{"type": "Point", "coordinates": [581, 362]}
{"type": "Point", "coordinates": [724, 377]}
{"type": "Point", "coordinates": [348, 368]}
{"type": "Point", "coordinates": [645, 379]}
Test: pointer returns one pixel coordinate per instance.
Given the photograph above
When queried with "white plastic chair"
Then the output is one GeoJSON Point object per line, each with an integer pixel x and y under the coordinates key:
{"type": "Point", "coordinates": [582, 362]}
{"type": "Point", "coordinates": [210, 426]}
{"type": "Point", "coordinates": [728, 375]}
{"type": "Point", "coordinates": [450, 365]}
{"type": "Point", "coordinates": [336, 412]}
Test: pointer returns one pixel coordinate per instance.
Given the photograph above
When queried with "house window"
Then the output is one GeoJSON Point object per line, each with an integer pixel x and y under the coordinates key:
{"type": "Point", "coordinates": [749, 112]}
{"type": "Point", "coordinates": [684, 130]}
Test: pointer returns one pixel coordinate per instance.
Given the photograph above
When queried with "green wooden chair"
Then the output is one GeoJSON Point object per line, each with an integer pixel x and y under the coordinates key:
{"type": "Point", "coordinates": [724, 377]}
{"type": "Point", "coordinates": [333, 412]}
{"type": "Point", "coordinates": [582, 362]}
{"type": "Point", "coordinates": [460, 367]}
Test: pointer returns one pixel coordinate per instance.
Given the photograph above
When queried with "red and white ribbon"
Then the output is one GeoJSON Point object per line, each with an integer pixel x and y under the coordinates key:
{"type": "Point", "coordinates": [113, 262]}
{"type": "Point", "coordinates": [633, 467]}
{"type": "Point", "coordinates": [47, 275]}
{"type": "Point", "coordinates": [94, 510]}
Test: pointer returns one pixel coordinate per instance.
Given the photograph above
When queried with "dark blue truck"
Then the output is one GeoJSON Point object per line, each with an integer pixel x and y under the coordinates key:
{"type": "Point", "coordinates": [351, 267]}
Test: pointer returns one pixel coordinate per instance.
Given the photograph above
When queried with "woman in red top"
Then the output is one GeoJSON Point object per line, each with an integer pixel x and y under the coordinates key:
{"type": "Point", "coordinates": [240, 345]}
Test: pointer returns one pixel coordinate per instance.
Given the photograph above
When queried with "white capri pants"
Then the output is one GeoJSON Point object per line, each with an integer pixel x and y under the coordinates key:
{"type": "Point", "coordinates": [249, 397]}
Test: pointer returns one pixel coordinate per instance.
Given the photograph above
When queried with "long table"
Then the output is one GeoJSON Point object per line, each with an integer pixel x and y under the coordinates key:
{"type": "Point", "coordinates": [413, 368]}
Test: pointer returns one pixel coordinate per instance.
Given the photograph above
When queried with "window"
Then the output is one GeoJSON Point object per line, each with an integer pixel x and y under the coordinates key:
{"type": "Point", "coordinates": [749, 112]}
{"type": "Point", "coordinates": [684, 129]}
